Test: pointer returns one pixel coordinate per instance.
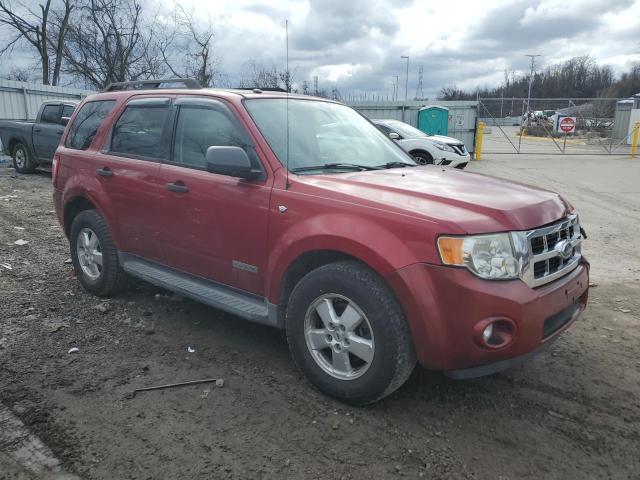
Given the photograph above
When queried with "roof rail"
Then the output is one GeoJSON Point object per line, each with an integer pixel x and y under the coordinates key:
{"type": "Point", "coordinates": [153, 84]}
{"type": "Point", "coordinates": [264, 89]}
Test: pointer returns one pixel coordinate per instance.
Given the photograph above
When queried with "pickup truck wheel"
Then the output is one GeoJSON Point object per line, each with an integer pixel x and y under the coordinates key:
{"type": "Point", "coordinates": [22, 160]}
{"type": "Point", "coordinates": [422, 158]}
{"type": "Point", "coordinates": [94, 255]}
{"type": "Point", "coordinates": [347, 333]}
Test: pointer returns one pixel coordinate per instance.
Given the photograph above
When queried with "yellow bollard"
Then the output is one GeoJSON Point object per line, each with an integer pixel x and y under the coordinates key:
{"type": "Point", "coordinates": [634, 140]}
{"type": "Point", "coordinates": [477, 154]}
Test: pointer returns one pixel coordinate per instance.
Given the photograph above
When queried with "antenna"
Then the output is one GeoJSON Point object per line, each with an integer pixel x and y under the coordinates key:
{"type": "Point", "coordinates": [286, 35]}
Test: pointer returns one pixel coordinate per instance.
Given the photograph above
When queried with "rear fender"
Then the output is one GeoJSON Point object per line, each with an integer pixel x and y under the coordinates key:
{"type": "Point", "coordinates": [91, 189]}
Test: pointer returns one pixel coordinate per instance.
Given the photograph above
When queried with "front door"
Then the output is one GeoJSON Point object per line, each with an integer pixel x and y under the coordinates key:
{"type": "Point", "coordinates": [213, 226]}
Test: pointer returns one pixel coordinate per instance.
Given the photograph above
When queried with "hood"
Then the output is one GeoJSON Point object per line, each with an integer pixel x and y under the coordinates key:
{"type": "Point", "coordinates": [462, 202]}
{"type": "Point", "coordinates": [447, 140]}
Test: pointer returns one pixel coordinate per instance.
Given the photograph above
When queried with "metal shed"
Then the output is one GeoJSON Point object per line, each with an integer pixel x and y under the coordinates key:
{"type": "Point", "coordinates": [21, 100]}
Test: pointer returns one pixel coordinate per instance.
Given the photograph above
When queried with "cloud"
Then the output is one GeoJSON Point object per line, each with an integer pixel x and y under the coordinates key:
{"type": "Point", "coordinates": [358, 43]}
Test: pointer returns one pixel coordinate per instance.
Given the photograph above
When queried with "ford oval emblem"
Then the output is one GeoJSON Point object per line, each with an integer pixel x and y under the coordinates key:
{"type": "Point", "coordinates": [564, 249]}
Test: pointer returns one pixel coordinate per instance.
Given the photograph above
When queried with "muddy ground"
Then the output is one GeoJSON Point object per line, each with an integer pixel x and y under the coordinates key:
{"type": "Point", "coordinates": [573, 412]}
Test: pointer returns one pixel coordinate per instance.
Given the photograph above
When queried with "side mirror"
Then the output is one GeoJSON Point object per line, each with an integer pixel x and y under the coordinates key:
{"type": "Point", "coordinates": [65, 120]}
{"type": "Point", "coordinates": [394, 136]}
{"type": "Point", "coordinates": [231, 161]}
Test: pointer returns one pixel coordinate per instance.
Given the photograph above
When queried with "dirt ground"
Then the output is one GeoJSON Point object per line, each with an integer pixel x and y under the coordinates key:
{"type": "Point", "coordinates": [572, 412]}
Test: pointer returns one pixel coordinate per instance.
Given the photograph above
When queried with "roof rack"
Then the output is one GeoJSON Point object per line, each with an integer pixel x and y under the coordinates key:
{"type": "Point", "coordinates": [264, 89]}
{"type": "Point", "coordinates": [152, 84]}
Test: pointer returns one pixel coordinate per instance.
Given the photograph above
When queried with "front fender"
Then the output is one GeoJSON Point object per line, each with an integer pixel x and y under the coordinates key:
{"type": "Point", "coordinates": [353, 235]}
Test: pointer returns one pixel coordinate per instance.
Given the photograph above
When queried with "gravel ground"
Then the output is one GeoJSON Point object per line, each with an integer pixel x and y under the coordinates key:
{"type": "Point", "coordinates": [573, 412]}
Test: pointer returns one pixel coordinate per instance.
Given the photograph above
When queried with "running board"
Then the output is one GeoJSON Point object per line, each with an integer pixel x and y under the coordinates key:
{"type": "Point", "coordinates": [245, 305]}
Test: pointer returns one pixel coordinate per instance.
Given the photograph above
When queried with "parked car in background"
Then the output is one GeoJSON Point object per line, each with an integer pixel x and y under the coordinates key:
{"type": "Point", "coordinates": [250, 202]}
{"type": "Point", "coordinates": [426, 149]}
{"type": "Point", "coordinates": [31, 144]}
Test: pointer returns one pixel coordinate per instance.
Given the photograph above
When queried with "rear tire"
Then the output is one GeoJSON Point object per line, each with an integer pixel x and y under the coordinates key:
{"type": "Point", "coordinates": [362, 355]}
{"type": "Point", "coordinates": [22, 161]}
{"type": "Point", "coordinates": [94, 254]}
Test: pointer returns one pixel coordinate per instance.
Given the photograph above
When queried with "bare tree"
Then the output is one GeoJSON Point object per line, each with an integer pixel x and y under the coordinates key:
{"type": "Point", "coordinates": [110, 43]}
{"type": "Point", "coordinates": [44, 29]}
{"type": "Point", "coordinates": [187, 51]}
{"type": "Point", "coordinates": [19, 75]}
{"type": "Point", "coordinates": [257, 75]}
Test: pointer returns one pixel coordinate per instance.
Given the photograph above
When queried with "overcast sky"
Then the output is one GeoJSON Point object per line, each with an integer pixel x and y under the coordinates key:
{"type": "Point", "coordinates": [358, 43]}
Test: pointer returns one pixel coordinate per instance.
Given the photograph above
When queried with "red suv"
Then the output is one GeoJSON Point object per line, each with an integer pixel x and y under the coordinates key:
{"type": "Point", "coordinates": [297, 212]}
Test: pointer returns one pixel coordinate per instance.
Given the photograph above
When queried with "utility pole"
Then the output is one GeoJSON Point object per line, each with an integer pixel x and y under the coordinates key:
{"type": "Point", "coordinates": [315, 85]}
{"type": "Point", "coordinates": [406, 79]}
{"type": "Point", "coordinates": [395, 88]}
{"type": "Point", "coordinates": [533, 59]}
{"type": "Point", "coordinates": [419, 92]}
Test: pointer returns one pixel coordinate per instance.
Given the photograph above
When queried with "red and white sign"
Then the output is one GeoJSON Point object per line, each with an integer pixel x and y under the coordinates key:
{"type": "Point", "coordinates": [567, 124]}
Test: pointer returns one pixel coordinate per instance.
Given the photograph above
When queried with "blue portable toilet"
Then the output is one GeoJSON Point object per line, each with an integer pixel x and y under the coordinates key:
{"type": "Point", "coordinates": [434, 120]}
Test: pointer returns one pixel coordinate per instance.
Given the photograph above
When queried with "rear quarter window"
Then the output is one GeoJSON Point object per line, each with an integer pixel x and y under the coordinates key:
{"type": "Point", "coordinates": [87, 122]}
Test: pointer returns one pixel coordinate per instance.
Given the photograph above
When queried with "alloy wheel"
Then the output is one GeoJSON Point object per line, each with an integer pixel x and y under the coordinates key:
{"type": "Point", "coordinates": [339, 336]}
{"type": "Point", "coordinates": [89, 253]}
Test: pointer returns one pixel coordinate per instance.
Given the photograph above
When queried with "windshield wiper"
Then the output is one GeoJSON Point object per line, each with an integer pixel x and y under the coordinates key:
{"type": "Point", "coordinates": [397, 165]}
{"type": "Point", "coordinates": [328, 166]}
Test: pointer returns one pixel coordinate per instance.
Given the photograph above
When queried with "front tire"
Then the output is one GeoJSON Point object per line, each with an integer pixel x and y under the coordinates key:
{"type": "Point", "coordinates": [94, 254]}
{"type": "Point", "coordinates": [22, 162]}
{"type": "Point", "coordinates": [422, 158]}
{"type": "Point", "coordinates": [347, 333]}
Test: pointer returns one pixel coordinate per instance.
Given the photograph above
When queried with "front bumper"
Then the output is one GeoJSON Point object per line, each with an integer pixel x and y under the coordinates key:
{"type": "Point", "coordinates": [443, 305]}
{"type": "Point", "coordinates": [447, 159]}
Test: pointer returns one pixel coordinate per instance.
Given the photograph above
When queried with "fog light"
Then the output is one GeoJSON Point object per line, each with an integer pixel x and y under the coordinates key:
{"type": "Point", "coordinates": [487, 333]}
{"type": "Point", "coordinates": [494, 332]}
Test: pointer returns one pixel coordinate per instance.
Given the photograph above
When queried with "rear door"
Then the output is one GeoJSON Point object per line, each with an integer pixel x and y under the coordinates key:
{"type": "Point", "coordinates": [128, 168]}
{"type": "Point", "coordinates": [213, 226]}
{"type": "Point", "coordinates": [47, 131]}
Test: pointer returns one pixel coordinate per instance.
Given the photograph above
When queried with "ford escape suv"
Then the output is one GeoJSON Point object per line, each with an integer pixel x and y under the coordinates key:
{"type": "Point", "coordinates": [299, 213]}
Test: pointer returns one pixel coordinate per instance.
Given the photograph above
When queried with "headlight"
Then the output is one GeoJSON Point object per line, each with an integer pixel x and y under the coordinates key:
{"type": "Point", "coordinates": [487, 256]}
{"type": "Point", "coordinates": [443, 146]}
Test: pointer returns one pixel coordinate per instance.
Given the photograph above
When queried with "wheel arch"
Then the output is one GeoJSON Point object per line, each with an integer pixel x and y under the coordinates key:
{"type": "Point", "coordinates": [420, 150]}
{"type": "Point", "coordinates": [13, 141]}
{"type": "Point", "coordinates": [72, 208]}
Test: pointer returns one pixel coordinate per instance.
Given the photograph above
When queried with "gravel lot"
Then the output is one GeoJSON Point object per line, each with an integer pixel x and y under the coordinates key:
{"type": "Point", "coordinates": [573, 412]}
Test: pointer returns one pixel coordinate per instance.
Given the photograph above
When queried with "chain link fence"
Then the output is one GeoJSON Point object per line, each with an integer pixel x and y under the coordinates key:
{"type": "Point", "coordinates": [570, 126]}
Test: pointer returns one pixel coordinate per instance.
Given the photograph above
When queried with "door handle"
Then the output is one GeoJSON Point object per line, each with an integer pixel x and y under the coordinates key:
{"type": "Point", "coordinates": [177, 187]}
{"type": "Point", "coordinates": [37, 130]}
{"type": "Point", "coordinates": [104, 172]}
{"type": "Point", "coordinates": [60, 132]}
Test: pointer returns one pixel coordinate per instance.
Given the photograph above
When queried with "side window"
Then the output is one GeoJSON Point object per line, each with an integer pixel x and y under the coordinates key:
{"type": "Point", "coordinates": [386, 130]}
{"type": "Point", "coordinates": [67, 110]}
{"type": "Point", "coordinates": [50, 114]}
{"type": "Point", "coordinates": [199, 128]}
{"type": "Point", "coordinates": [86, 124]}
{"type": "Point", "coordinates": [138, 131]}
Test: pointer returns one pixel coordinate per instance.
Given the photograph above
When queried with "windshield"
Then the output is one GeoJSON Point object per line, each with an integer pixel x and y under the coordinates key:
{"type": "Point", "coordinates": [325, 135]}
{"type": "Point", "coordinates": [406, 131]}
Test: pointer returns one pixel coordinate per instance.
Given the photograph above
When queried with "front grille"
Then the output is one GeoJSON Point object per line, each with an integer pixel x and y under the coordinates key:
{"type": "Point", "coordinates": [460, 166]}
{"type": "Point", "coordinates": [460, 150]}
{"type": "Point", "coordinates": [555, 251]}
